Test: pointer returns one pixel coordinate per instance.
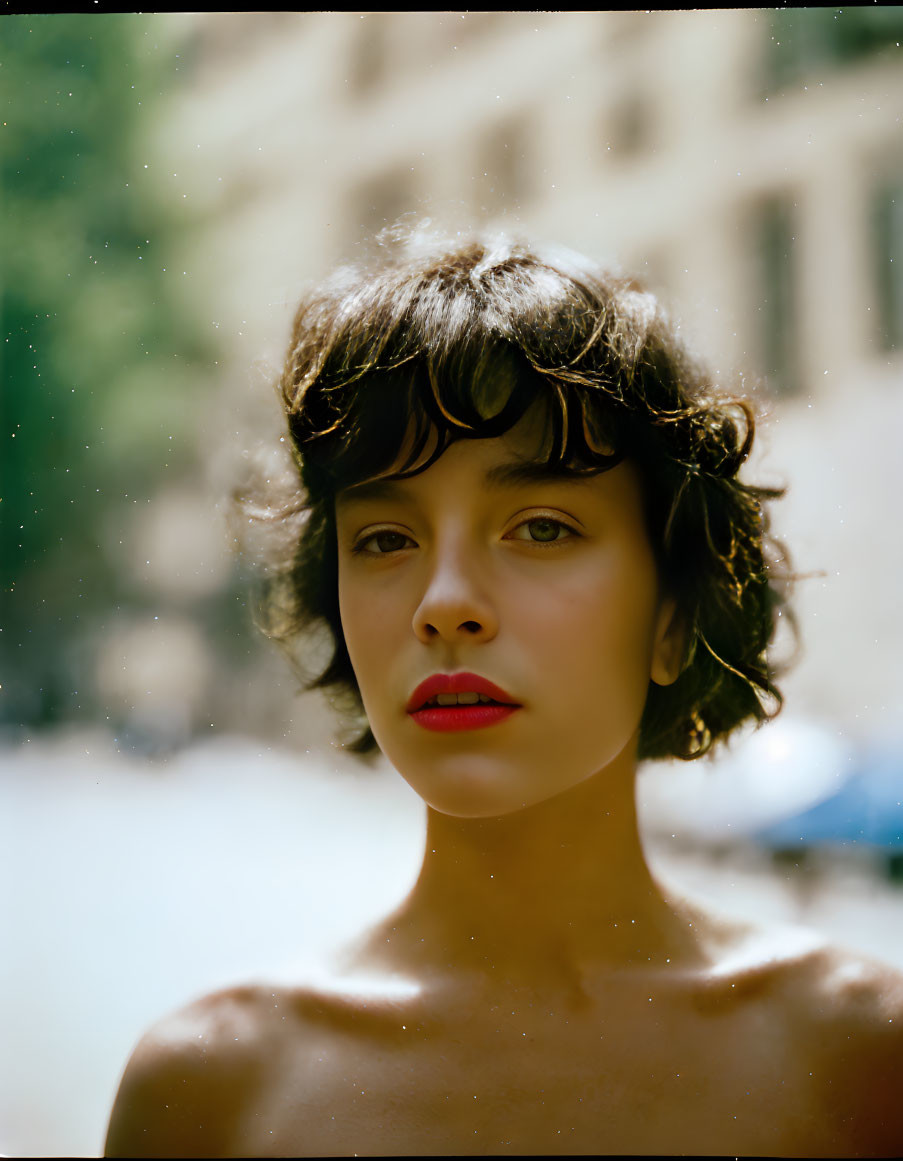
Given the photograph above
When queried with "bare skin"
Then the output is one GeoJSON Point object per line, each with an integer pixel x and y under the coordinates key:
{"type": "Point", "coordinates": [675, 1035]}
{"type": "Point", "coordinates": [538, 991]}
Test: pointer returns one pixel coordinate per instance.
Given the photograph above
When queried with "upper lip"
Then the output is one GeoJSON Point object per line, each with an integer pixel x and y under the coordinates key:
{"type": "Point", "coordinates": [456, 683]}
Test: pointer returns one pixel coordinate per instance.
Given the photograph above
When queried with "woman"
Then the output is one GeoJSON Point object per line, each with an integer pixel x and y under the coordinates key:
{"type": "Point", "coordinates": [524, 529]}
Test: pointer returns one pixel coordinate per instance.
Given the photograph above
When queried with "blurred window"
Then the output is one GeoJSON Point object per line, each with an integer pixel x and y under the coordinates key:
{"type": "Point", "coordinates": [504, 165]}
{"type": "Point", "coordinates": [629, 128]}
{"type": "Point", "coordinates": [887, 259]}
{"type": "Point", "coordinates": [775, 240]}
{"type": "Point", "coordinates": [804, 40]}
{"type": "Point", "coordinates": [221, 39]}
{"type": "Point", "coordinates": [623, 30]}
{"type": "Point", "coordinates": [368, 65]}
{"type": "Point", "coordinates": [473, 26]}
{"type": "Point", "coordinates": [381, 200]}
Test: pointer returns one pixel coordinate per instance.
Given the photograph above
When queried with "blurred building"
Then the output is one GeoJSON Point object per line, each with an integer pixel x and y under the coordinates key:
{"type": "Point", "coordinates": [747, 163]}
{"type": "Point", "coordinates": [753, 179]}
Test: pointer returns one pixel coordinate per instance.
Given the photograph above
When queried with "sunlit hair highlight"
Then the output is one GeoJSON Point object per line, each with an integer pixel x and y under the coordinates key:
{"type": "Point", "coordinates": [434, 340]}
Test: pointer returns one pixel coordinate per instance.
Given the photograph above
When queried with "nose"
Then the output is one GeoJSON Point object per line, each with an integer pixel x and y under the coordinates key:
{"type": "Point", "coordinates": [455, 605]}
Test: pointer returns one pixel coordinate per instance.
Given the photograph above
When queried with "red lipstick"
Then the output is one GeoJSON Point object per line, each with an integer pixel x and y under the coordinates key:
{"type": "Point", "coordinates": [445, 718]}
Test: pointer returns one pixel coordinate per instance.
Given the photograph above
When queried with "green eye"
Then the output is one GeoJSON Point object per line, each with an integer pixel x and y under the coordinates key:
{"type": "Point", "coordinates": [385, 542]}
{"type": "Point", "coordinates": [544, 530]}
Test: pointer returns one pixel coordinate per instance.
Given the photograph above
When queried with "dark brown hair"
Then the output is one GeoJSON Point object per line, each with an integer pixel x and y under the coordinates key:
{"type": "Point", "coordinates": [456, 339]}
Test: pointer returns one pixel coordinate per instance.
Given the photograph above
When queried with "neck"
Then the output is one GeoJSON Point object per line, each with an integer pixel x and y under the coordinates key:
{"type": "Point", "coordinates": [557, 889]}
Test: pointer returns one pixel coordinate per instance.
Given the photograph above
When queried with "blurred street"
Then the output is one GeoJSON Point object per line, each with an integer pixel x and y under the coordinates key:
{"type": "Point", "coordinates": [131, 887]}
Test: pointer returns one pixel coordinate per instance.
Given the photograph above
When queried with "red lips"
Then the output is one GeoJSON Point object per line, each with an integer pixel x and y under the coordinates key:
{"type": "Point", "coordinates": [456, 683]}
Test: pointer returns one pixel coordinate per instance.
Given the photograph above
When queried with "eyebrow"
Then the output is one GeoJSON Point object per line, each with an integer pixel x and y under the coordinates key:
{"type": "Point", "coordinates": [517, 472]}
{"type": "Point", "coordinates": [506, 475]}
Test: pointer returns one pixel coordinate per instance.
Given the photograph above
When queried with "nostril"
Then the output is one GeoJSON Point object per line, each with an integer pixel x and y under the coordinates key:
{"type": "Point", "coordinates": [471, 626]}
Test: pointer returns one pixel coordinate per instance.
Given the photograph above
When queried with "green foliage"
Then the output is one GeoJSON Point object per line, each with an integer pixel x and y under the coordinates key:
{"type": "Point", "coordinates": [103, 367]}
{"type": "Point", "coordinates": [806, 40]}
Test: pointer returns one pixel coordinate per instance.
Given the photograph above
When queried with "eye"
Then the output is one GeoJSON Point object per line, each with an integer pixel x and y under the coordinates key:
{"type": "Point", "coordinates": [543, 530]}
{"type": "Point", "coordinates": [382, 543]}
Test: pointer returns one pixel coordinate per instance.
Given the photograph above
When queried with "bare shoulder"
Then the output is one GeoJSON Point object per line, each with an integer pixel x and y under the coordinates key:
{"type": "Point", "coordinates": [822, 1025]}
{"type": "Point", "coordinates": [858, 997]}
{"type": "Point", "coordinates": [848, 1013]}
{"type": "Point", "coordinates": [799, 966]}
{"type": "Point", "coordinates": [189, 1078]}
{"type": "Point", "coordinates": [249, 1071]}
{"type": "Point", "coordinates": [862, 988]}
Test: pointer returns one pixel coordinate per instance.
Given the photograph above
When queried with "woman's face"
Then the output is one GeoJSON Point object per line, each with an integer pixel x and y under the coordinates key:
{"type": "Point", "coordinates": [545, 587]}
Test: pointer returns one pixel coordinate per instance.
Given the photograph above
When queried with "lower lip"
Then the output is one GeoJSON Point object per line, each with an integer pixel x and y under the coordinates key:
{"type": "Point", "coordinates": [451, 718]}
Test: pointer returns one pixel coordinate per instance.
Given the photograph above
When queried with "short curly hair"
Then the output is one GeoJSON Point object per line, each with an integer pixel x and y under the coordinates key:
{"type": "Point", "coordinates": [455, 339]}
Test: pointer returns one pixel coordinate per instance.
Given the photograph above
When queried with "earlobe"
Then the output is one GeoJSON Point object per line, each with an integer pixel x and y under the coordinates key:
{"type": "Point", "coordinates": [668, 650]}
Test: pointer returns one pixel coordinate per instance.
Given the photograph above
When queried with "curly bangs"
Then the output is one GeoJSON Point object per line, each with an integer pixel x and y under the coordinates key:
{"type": "Point", "coordinates": [433, 341]}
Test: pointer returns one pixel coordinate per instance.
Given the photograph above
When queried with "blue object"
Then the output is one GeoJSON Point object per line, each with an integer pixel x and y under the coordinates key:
{"type": "Point", "coordinates": [867, 811]}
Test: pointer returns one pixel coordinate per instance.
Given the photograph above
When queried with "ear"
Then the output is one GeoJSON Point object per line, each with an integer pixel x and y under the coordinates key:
{"type": "Point", "coordinates": [668, 646]}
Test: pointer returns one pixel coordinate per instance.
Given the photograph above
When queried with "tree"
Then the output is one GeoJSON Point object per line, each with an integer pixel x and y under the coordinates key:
{"type": "Point", "coordinates": [104, 366]}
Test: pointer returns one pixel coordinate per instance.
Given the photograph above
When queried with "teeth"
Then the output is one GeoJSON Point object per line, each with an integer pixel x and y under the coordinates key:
{"type": "Point", "coordinates": [469, 698]}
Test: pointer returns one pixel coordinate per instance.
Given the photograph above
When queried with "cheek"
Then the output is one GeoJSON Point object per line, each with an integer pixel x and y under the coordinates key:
{"type": "Point", "coordinates": [597, 605]}
{"type": "Point", "coordinates": [592, 637]}
{"type": "Point", "coordinates": [356, 626]}
{"type": "Point", "coordinates": [372, 624]}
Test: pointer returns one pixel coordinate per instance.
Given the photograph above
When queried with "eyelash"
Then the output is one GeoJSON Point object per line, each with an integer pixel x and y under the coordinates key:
{"type": "Point", "coordinates": [573, 533]}
{"type": "Point", "coordinates": [359, 549]}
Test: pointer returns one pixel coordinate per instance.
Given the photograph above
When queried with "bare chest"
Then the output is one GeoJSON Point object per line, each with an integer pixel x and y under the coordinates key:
{"type": "Point", "coordinates": [519, 1079]}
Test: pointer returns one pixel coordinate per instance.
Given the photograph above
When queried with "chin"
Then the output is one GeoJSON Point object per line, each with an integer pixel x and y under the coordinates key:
{"type": "Point", "coordinates": [499, 777]}
{"type": "Point", "coordinates": [474, 806]}
{"type": "Point", "coordinates": [475, 809]}
{"type": "Point", "coordinates": [480, 787]}
{"type": "Point", "coordinates": [466, 785]}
